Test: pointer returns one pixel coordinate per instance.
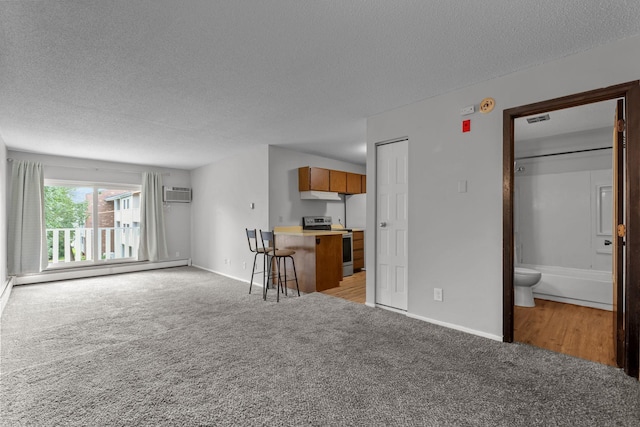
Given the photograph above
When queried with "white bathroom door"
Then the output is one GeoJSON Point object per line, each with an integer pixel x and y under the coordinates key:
{"type": "Point", "coordinates": [392, 226]}
{"type": "Point", "coordinates": [618, 233]}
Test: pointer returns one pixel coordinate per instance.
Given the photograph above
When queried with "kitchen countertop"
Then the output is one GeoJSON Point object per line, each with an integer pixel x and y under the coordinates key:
{"type": "Point", "coordinates": [296, 230]}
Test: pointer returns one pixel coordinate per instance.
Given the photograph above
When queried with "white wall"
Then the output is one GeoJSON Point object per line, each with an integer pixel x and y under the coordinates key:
{"type": "Point", "coordinates": [220, 211]}
{"type": "Point", "coordinates": [177, 215]}
{"type": "Point", "coordinates": [455, 239]}
{"type": "Point", "coordinates": [4, 172]}
{"type": "Point", "coordinates": [285, 206]}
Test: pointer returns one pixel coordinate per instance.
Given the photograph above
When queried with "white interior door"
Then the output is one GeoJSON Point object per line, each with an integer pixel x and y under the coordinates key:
{"type": "Point", "coordinates": [392, 224]}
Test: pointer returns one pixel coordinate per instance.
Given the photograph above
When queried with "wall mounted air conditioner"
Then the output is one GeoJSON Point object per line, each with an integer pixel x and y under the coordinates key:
{"type": "Point", "coordinates": [176, 194]}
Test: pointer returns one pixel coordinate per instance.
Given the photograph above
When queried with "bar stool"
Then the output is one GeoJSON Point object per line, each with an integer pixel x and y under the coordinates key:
{"type": "Point", "coordinates": [271, 251]}
{"type": "Point", "coordinates": [252, 238]}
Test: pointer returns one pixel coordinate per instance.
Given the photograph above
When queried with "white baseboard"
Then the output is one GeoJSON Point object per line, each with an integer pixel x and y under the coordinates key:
{"type": "Point", "coordinates": [226, 275]}
{"type": "Point", "coordinates": [6, 291]}
{"type": "Point", "coordinates": [79, 273]}
{"type": "Point", "coordinates": [457, 327]}
{"type": "Point", "coordinates": [395, 310]}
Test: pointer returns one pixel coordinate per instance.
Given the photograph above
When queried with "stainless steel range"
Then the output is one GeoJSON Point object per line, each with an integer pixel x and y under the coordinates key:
{"type": "Point", "coordinates": [347, 254]}
{"type": "Point", "coordinates": [316, 223]}
{"type": "Point", "coordinates": [324, 223]}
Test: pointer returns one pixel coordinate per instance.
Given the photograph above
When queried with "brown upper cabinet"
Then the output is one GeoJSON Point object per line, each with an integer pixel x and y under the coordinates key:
{"type": "Point", "coordinates": [338, 181]}
{"type": "Point", "coordinates": [354, 183]}
{"type": "Point", "coordinates": [313, 179]}
{"type": "Point", "coordinates": [320, 179]}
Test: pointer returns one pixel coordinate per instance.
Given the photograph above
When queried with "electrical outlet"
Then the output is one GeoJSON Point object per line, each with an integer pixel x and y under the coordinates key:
{"type": "Point", "coordinates": [177, 254]}
{"type": "Point", "coordinates": [226, 261]}
{"type": "Point", "coordinates": [437, 294]}
{"type": "Point", "coordinates": [244, 265]}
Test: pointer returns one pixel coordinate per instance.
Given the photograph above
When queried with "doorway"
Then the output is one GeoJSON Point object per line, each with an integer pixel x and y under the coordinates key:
{"type": "Point", "coordinates": [563, 210]}
{"type": "Point", "coordinates": [627, 324]}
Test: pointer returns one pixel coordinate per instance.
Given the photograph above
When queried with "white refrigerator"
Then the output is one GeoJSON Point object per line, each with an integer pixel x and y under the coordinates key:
{"type": "Point", "coordinates": [356, 211]}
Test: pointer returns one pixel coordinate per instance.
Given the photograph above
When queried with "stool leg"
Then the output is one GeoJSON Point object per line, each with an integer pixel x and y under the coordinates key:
{"type": "Point", "coordinates": [295, 274]}
{"type": "Point", "coordinates": [255, 257]}
{"type": "Point", "coordinates": [279, 279]}
{"type": "Point", "coordinates": [284, 261]}
{"type": "Point", "coordinates": [265, 277]}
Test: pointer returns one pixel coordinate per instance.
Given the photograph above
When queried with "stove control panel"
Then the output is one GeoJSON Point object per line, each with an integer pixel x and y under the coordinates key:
{"type": "Point", "coordinates": [316, 222]}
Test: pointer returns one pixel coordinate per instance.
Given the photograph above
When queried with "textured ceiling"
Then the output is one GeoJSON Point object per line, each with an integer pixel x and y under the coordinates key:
{"type": "Point", "coordinates": [183, 84]}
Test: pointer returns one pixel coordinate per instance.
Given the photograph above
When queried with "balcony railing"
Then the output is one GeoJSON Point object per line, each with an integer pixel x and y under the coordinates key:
{"type": "Point", "coordinates": [73, 245]}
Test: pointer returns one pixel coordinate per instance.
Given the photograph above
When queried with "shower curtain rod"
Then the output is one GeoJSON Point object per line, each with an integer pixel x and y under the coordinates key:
{"type": "Point", "coordinates": [9, 159]}
{"type": "Point", "coordinates": [564, 152]}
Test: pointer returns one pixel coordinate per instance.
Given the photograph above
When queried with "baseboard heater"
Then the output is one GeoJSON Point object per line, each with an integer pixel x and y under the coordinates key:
{"type": "Point", "coordinates": [6, 291]}
{"type": "Point", "coordinates": [80, 273]}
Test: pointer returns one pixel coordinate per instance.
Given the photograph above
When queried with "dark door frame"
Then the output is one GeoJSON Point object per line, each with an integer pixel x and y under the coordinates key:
{"type": "Point", "coordinates": [631, 93]}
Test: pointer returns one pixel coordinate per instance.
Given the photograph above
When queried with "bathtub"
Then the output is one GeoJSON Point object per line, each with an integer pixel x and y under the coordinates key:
{"type": "Point", "coordinates": [590, 288]}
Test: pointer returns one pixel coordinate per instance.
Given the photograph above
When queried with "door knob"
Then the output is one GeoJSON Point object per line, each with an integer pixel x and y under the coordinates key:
{"type": "Point", "coordinates": [383, 224]}
{"type": "Point", "coordinates": [607, 242]}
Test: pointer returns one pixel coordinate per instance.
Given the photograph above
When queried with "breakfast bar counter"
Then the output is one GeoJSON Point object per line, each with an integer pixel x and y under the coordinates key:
{"type": "Point", "coordinates": [318, 256]}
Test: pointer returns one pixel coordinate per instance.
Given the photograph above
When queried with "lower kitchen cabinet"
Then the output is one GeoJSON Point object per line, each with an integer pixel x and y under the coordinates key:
{"type": "Point", "coordinates": [318, 259]}
{"type": "Point", "coordinates": [358, 250]}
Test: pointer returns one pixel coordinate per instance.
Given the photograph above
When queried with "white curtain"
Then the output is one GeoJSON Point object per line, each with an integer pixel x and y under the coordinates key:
{"type": "Point", "coordinates": [153, 242]}
{"type": "Point", "coordinates": [27, 252]}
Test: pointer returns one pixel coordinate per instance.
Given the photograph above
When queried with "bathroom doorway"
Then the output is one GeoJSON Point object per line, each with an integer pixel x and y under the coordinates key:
{"type": "Point", "coordinates": [627, 324]}
{"type": "Point", "coordinates": [563, 221]}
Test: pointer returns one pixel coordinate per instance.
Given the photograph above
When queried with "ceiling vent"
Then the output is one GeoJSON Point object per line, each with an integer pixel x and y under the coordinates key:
{"type": "Point", "coordinates": [177, 194]}
{"type": "Point", "coordinates": [538, 119]}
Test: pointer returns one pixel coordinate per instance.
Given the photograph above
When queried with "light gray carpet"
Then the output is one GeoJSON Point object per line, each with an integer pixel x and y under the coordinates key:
{"type": "Point", "coordinates": [187, 347]}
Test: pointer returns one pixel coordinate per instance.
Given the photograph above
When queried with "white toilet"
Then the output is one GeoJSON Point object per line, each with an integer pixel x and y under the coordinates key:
{"type": "Point", "coordinates": [523, 280]}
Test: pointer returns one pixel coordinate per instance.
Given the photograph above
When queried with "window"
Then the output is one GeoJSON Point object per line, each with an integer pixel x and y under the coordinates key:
{"type": "Point", "coordinates": [85, 225]}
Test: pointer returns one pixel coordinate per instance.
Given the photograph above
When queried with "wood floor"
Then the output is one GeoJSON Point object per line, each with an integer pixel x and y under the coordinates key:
{"type": "Point", "coordinates": [352, 288]}
{"type": "Point", "coordinates": [570, 329]}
